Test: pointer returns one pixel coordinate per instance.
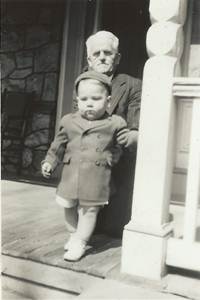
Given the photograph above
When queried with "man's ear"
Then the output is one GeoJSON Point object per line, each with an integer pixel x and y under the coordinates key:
{"type": "Point", "coordinates": [118, 58]}
{"type": "Point", "coordinates": [108, 101]}
{"type": "Point", "coordinates": [89, 61]}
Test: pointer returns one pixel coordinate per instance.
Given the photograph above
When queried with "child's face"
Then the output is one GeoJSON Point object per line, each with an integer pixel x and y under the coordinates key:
{"type": "Point", "coordinates": [92, 99]}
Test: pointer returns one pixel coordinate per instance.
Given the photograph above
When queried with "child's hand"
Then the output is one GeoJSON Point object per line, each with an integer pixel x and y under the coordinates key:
{"type": "Point", "coordinates": [46, 169]}
{"type": "Point", "coordinates": [115, 156]}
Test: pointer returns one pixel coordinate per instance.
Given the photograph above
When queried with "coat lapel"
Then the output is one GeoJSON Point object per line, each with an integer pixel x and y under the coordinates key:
{"type": "Point", "coordinates": [118, 90]}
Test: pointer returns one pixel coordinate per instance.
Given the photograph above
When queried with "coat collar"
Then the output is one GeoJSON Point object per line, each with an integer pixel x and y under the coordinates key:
{"type": "Point", "coordinates": [87, 125]}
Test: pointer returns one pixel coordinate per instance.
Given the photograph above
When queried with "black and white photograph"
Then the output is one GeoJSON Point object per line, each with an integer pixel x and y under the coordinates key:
{"type": "Point", "coordinates": [100, 149]}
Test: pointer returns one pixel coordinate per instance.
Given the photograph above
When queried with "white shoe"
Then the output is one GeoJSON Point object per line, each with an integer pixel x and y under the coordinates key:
{"type": "Point", "coordinates": [76, 250]}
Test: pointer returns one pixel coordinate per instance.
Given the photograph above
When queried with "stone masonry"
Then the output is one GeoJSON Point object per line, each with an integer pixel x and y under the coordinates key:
{"type": "Point", "coordinates": [30, 53]}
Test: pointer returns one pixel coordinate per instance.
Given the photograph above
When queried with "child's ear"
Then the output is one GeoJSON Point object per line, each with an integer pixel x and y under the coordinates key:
{"type": "Point", "coordinates": [108, 101]}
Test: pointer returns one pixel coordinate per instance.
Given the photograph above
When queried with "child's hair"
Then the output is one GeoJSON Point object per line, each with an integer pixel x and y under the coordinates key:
{"type": "Point", "coordinates": [99, 77]}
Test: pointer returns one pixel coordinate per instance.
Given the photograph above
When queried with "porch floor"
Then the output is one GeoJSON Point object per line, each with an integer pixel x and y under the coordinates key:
{"type": "Point", "coordinates": [33, 228]}
{"type": "Point", "coordinates": [33, 231]}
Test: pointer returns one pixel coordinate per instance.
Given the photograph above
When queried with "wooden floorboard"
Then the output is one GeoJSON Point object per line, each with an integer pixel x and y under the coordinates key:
{"type": "Point", "coordinates": [33, 229]}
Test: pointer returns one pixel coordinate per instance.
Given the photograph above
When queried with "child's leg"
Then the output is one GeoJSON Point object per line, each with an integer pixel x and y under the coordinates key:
{"type": "Point", "coordinates": [87, 217]}
{"type": "Point", "coordinates": [71, 218]}
{"type": "Point", "coordinates": [70, 212]}
{"type": "Point", "coordinates": [71, 215]}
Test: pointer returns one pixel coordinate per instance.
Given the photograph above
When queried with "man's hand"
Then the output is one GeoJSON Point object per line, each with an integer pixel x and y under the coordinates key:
{"type": "Point", "coordinates": [127, 138]}
{"type": "Point", "coordinates": [46, 169]}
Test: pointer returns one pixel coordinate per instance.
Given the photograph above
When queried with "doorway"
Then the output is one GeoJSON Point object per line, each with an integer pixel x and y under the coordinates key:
{"type": "Point", "coordinates": [129, 21]}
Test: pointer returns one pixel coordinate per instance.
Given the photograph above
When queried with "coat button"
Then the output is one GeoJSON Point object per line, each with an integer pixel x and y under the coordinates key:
{"type": "Point", "coordinates": [98, 150]}
{"type": "Point", "coordinates": [97, 163]}
{"type": "Point", "coordinates": [82, 148]}
{"type": "Point", "coordinates": [98, 136]}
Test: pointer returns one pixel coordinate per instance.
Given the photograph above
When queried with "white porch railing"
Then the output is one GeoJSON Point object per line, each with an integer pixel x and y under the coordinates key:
{"type": "Point", "coordinates": [185, 252]}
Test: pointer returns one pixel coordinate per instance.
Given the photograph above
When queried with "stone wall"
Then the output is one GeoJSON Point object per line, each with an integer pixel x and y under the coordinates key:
{"type": "Point", "coordinates": [30, 53]}
{"type": "Point", "coordinates": [194, 60]}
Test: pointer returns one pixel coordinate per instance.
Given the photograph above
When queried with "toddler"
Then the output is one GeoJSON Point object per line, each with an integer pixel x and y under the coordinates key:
{"type": "Point", "coordinates": [85, 142]}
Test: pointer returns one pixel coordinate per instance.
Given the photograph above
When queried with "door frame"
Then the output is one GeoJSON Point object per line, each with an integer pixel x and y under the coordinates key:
{"type": "Point", "coordinates": [72, 52]}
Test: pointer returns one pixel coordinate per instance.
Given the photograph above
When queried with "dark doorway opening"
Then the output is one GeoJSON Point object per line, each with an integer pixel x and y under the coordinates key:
{"type": "Point", "coordinates": [129, 21]}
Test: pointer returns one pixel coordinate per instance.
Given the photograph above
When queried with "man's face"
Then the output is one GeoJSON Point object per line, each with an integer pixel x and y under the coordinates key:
{"type": "Point", "coordinates": [92, 99]}
{"type": "Point", "coordinates": [102, 57]}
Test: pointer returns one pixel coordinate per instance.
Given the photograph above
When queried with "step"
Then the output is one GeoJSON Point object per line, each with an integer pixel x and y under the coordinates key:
{"type": "Point", "coordinates": [32, 273]}
{"type": "Point", "coordinates": [35, 280]}
{"type": "Point", "coordinates": [112, 289]}
{"type": "Point", "coordinates": [17, 289]}
{"type": "Point", "coordinates": [9, 293]}
{"type": "Point", "coordinates": [186, 285]}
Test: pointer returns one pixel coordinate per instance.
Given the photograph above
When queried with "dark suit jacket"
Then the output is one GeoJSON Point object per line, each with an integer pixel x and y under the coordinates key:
{"type": "Point", "coordinates": [126, 98]}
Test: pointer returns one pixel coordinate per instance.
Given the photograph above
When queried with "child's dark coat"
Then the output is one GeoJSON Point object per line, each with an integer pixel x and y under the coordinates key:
{"type": "Point", "coordinates": [87, 158]}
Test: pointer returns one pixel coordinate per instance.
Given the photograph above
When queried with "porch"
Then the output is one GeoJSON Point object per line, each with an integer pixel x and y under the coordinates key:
{"type": "Point", "coordinates": [33, 235]}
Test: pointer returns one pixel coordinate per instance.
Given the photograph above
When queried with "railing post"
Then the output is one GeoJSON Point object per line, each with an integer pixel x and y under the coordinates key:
{"type": "Point", "coordinates": [193, 177]}
{"type": "Point", "coordinates": [184, 252]}
{"type": "Point", "coordinates": [145, 237]}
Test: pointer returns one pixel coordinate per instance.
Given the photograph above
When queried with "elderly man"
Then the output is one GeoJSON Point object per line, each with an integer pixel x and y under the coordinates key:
{"type": "Point", "coordinates": [103, 56]}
